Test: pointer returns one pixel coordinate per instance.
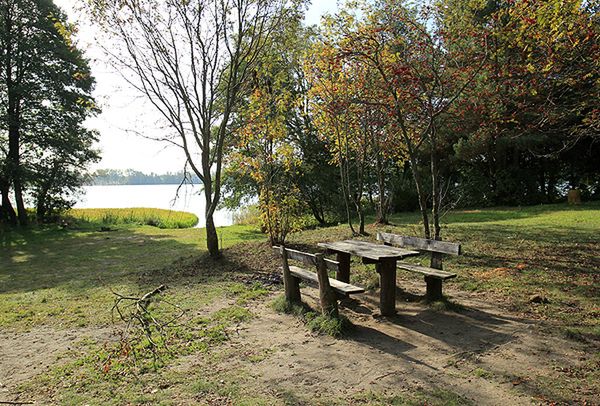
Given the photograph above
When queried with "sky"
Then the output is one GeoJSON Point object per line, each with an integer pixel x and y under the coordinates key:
{"type": "Point", "coordinates": [125, 113]}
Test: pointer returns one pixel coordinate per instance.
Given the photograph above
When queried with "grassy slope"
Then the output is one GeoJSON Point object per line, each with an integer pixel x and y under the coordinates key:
{"type": "Point", "coordinates": [63, 278]}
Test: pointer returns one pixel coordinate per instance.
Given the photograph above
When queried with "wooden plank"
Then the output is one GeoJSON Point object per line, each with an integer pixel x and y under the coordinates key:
{"type": "Point", "coordinates": [342, 287]}
{"type": "Point", "coordinates": [291, 284]}
{"type": "Point", "coordinates": [434, 289]}
{"type": "Point", "coordinates": [307, 258]}
{"type": "Point", "coordinates": [368, 250]}
{"type": "Point", "coordinates": [431, 272]}
{"type": "Point", "coordinates": [422, 244]}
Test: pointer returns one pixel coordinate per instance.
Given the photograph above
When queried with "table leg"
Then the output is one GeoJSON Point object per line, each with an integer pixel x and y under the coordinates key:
{"type": "Point", "coordinates": [343, 273]}
{"type": "Point", "coordinates": [387, 278]}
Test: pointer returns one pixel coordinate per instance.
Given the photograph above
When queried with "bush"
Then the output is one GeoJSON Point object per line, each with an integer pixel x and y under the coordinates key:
{"type": "Point", "coordinates": [247, 216]}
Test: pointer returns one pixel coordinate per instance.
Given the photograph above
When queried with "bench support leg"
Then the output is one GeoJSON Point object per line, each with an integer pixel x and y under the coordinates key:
{"type": "Point", "coordinates": [434, 289]}
{"type": "Point", "coordinates": [387, 295]}
{"type": "Point", "coordinates": [291, 284]}
{"type": "Point", "coordinates": [326, 294]}
{"type": "Point", "coordinates": [292, 294]}
{"type": "Point", "coordinates": [343, 273]}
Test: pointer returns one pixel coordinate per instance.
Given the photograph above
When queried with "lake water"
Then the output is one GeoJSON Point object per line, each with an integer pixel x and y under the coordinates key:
{"type": "Point", "coordinates": [154, 196]}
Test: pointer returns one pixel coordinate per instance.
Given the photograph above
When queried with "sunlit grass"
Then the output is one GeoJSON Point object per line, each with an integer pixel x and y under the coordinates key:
{"type": "Point", "coordinates": [137, 215]}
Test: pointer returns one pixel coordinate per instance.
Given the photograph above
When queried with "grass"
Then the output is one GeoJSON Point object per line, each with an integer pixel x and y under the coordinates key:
{"type": "Point", "coordinates": [139, 216]}
{"type": "Point", "coordinates": [63, 277]}
{"type": "Point", "coordinates": [316, 322]}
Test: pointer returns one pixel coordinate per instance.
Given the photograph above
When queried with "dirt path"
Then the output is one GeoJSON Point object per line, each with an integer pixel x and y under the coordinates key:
{"type": "Point", "coordinates": [24, 355]}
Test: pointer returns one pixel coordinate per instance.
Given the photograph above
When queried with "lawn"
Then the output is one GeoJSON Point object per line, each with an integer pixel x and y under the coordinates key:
{"type": "Point", "coordinates": [57, 289]}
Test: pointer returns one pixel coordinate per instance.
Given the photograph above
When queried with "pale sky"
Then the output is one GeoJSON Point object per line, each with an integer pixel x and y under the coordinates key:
{"type": "Point", "coordinates": [124, 112]}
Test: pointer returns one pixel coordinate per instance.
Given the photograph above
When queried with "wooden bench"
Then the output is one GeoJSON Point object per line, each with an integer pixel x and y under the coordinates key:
{"type": "Point", "coordinates": [434, 275]}
{"type": "Point", "coordinates": [292, 275]}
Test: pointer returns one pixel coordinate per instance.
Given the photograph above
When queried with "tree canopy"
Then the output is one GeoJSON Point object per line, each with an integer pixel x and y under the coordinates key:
{"type": "Point", "coordinates": [45, 96]}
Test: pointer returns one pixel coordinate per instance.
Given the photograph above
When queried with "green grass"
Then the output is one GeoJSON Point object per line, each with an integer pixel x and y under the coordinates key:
{"type": "Point", "coordinates": [316, 322]}
{"type": "Point", "coordinates": [137, 215]}
{"type": "Point", "coordinates": [64, 277]}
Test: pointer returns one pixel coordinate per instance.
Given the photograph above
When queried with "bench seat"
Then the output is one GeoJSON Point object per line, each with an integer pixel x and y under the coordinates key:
{"type": "Point", "coordinates": [427, 271]}
{"type": "Point", "coordinates": [340, 287]}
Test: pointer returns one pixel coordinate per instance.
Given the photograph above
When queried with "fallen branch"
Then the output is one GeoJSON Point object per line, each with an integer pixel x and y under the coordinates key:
{"type": "Point", "coordinates": [134, 311]}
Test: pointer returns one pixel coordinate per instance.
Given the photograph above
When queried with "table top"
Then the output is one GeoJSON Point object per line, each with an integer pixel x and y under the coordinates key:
{"type": "Point", "coordinates": [365, 249]}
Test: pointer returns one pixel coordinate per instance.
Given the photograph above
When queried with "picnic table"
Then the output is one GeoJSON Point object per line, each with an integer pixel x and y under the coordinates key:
{"type": "Point", "coordinates": [384, 257]}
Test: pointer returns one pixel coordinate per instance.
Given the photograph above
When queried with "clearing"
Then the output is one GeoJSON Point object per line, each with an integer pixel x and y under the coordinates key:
{"type": "Point", "coordinates": [488, 345]}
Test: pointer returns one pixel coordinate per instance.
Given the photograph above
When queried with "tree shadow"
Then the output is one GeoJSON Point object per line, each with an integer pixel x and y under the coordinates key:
{"type": "Point", "coordinates": [36, 259]}
{"type": "Point", "coordinates": [468, 330]}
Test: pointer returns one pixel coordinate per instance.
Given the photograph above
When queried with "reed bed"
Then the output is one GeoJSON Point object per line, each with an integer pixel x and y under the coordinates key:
{"type": "Point", "coordinates": [160, 218]}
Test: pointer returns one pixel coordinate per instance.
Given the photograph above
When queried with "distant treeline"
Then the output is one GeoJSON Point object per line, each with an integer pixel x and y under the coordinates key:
{"type": "Point", "coordinates": [132, 177]}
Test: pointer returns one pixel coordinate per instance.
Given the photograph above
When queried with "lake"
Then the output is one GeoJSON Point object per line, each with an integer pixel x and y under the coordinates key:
{"type": "Point", "coordinates": [154, 196]}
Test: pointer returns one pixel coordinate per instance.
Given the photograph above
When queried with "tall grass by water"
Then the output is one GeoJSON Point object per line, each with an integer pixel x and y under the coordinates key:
{"type": "Point", "coordinates": [137, 215]}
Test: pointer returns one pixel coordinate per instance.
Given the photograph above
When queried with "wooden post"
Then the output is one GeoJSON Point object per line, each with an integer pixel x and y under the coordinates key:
{"type": "Point", "coordinates": [290, 283]}
{"type": "Point", "coordinates": [434, 289]}
{"type": "Point", "coordinates": [387, 277]}
{"type": "Point", "coordinates": [326, 294]}
{"type": "Point", "coordinates": [436, 261]}
{"type": "Point", "coordinates": [343, 273]}
{"type": "Point", "coordinates": [434, 285]}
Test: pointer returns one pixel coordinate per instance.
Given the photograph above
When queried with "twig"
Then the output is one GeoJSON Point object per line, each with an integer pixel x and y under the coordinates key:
{"type": "Point", "coordinates": [384, 375]}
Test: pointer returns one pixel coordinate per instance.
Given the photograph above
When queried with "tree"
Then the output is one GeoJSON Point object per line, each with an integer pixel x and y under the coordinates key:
{"type": "Point", "coordinates": [540, 86]}
{"type": "Point", "coordinates": [420, 76]}
{"type": "Point", "coordinates": [45, 96]}
{"type": "Point", "coordinates": [337, 119]}
{"type": "Point", "coordinates": [193, 61]}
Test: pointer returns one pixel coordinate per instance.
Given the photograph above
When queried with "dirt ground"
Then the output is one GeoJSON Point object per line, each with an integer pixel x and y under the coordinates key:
{"type": "Point", "coordinates": [24, 355]}
{"type": "Point", "coordinates": [482, 353]}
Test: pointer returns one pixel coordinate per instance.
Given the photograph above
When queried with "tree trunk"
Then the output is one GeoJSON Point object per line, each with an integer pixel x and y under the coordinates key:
{"type": "Point", "coordinates": [212, 239]}
{"type": "Point", "coordinates": [13, 117]}
{"type": "Point", "coordinates": [436, 197]}
{"type": "Point", "coordinates": [382, 207]}
{"type": "Point", "coordinates": [422, 197]}
{"type": "Point", "coordinates": [346, 194]}
{"type": "Point", "coordinates": [7, 212]}
{"type": "Point", "coordinates": [21, 211]}
{"type": "Point", "coordinates": [40, 209]}
{"type": "Point", "coordinates": [361, 219]}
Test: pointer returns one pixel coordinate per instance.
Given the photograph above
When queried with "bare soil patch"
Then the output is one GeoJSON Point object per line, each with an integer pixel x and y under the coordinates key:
{"type": "Point", "coordinates": [481, 353]}
{"type": "Point", "coordinates": [24, 355]}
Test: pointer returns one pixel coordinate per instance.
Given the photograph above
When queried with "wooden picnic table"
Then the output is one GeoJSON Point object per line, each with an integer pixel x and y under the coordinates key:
{"type": "Point", "coordinates": [383, 256]}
